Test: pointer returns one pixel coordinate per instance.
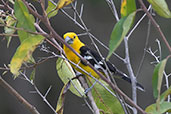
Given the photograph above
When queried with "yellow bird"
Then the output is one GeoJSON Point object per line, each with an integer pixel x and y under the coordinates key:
{"type": "Point", "coordinates": [92, 57]}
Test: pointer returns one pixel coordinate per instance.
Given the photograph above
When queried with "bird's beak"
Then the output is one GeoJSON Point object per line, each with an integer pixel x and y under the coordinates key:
{"type": "Point", "coordinates": [69, 40]}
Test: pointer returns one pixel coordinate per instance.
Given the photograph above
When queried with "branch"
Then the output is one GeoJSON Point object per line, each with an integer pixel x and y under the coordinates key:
{"type": "Point", "coordinates": [39, 93]}
{"type": "Point", "coordinates": [14, 93]}
{"type": "Point", "coordinates": [145, 47]}
{"type": "Point", "coordinates": [6, 6]}
{"type": "Point", "coordinates": [3, 34]}
{"type": "Point", "coordinates": [113, 8]}
{"type": "Point", "coordinates": [127, 58]}
{"type": "Point", "coordinates": [131, 74]}
{"type": "Point", "coordinates": [91, 35]}
{"type": "Point", "coordinates": [60, 39]}
{"type": "Point", "coordinates": [155, 25]}
{"type": "Point", "coordinates": [55, 44]}
{"type": "Point", "coordinates": [157, 60]}
{"type": "Point", "coordinates": [15, 28]}
{"type": "Point", "coordinates": [79, 15]}
{"type": "Point", "coordinates": [89, 95]}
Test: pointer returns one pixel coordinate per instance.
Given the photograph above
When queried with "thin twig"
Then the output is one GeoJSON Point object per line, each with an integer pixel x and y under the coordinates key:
{"type": "Point", "coordinates": [87, 31]}
{"type": "Point", "coordinates": [92, 77]}
{"type": "Point", "coordinates": [113, 8]}
{"type": "Point", "coordinates": [157, 60]}
{"type": "Point", "coordinates": [55, 35]}
{"type": "Point", "coordinates": [139, 21]}
{"type": "Point", "coordinates": [2, 68]}
{"type": "Point", "coordinates": [113, 87]}
{"type": "Point", "coordinates": [55, 44]}
{"type": "Point", "coordinates": [14, 93]}
{"type": "Point", "coordinates": [3, 34]}
{"type": "Point", "coordinates": [15, 28]}
{"type": "Point", "coordinates": [155, 25]}
{"type": "Point", "coordinates": [106, 73]}
{"type": "Point", "coordinates": [63, 11]}
{"type": "Point", "coordinates": [159, 46]}
{"type": "Point", "coordinates": [120, 58]}
{"type": "Point", "coordinates": [39, 93]}
{"type": "Point", "coordinates": [128, 64]}
{"type": "Point", "coordinates": [89, 95]}
{"type": "Point", "coordinates": [7, 6]}
{"type": "Point", "coordinates": [145, 48]}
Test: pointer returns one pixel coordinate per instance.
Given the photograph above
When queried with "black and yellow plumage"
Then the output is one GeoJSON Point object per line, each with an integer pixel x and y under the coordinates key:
{"type": "Point", "coordinates": [92, 57]}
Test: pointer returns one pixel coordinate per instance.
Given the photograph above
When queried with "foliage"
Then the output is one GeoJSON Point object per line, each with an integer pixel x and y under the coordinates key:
{"type": "Point", "coordinates": [24, 21]}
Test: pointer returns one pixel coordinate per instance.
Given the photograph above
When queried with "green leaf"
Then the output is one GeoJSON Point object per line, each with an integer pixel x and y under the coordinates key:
{"type": "Point", "coordinates": [157, 78]}
{"type": "Point", "coordinates": [161, 7]}
{"type": "Point", "coordinates": [61, 98]}
{"type": "Point", "coordinates": [127, 7]}
{"type": "Point", "coordinates": [25, 20]}
{"type": "Point", "coordinates": [23, 16]}
{"type": "Point", "coordinates": [21, 33]}
{"type": "Point", "coordinates": [164, 107]}
{"type": "Point", "coordinates": [104, 100]}
{"type": "Point", "coordinates": [165, 94]}
{"type": "Point", "coordinates": [32, 75]}
{"type": "Point", "coordinates": [119, 32]}
{"type": "Point", "coordinates": [9, 22]}
{"type": "Point", "coordinates": [157, 81]}
{"type": "Point", "coordinates": [51, 11]}
{"type": "Point", "coordinates": [66, 73]}
{"type": "Point", "coordinates": [24, 52]}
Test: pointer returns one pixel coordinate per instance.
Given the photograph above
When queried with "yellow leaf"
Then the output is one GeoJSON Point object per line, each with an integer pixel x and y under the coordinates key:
{"type": "Point", "coordinates": [60, 103]}
{"type": "Point", "coordinates": [24, 52]}
{"type": "Point", "coordinates": [127, 7]}
{"type": "Point", "coordinates": [123, 8]}
{"type": "Point", "coordinates": [63, 3]}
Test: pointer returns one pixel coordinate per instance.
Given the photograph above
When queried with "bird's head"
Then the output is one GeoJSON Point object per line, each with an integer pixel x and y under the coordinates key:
{"type": "Point", "coordinates": [70, 37]}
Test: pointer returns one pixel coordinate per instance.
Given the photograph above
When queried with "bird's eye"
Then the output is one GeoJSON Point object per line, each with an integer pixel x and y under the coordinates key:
{"type": "Point", "coordinates": [74, 37]}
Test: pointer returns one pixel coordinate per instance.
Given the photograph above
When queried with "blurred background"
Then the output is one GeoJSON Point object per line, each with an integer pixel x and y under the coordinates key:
{"type": "Point", "coordinates": [100, 21]}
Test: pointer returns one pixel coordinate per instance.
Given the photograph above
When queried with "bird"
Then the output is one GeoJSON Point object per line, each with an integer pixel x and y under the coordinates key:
{"type": "Point", "coordinates": [92, 57]}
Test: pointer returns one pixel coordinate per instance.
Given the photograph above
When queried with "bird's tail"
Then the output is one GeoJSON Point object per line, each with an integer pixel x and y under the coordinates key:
{"type": "Point", "coordinates": [128, 79]}
{"type": "Point", "coordinates": [118, 74]}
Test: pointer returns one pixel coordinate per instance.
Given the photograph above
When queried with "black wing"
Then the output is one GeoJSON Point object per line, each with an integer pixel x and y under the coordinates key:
{"type": "Point", "coordinates": [96, 60]}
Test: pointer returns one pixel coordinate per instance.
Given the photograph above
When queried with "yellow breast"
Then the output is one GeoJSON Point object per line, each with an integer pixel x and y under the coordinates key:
{"type": "Point", "coordinates": [74, 58]}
